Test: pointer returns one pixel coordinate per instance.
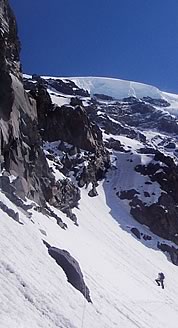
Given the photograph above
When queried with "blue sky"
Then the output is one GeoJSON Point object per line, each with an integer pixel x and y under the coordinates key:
{"type": "Point", "coordinates": [129, 39]}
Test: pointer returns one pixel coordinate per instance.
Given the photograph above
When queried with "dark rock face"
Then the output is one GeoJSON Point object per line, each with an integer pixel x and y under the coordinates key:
{"type": "Point", "coordinates": [21, 148]}
{"type": "Point", "coordinates": [131, 113]}
{"type": "Point", "coordinates": [9, 58]}
{"type": "Point", "coordinates": [71, 124]}
{"type": "Point", "coordinates": [21, 152]}
{"type": "Point", "coordinates": [171, 250]}
{"type": "Point", "coordinates": [71, 269]}
{"type": "Point", "coordinates": [156, 102]}
{"type": "Point", "coordinates": [166, 175]}
{"type": "Point", "coordinates": [68, 87]}
{"type": "Point", "coordinates": [44, 105]}
{"type": "Point", "coordinates": [68, 123]}
{"type": "Point", "coordinates": [20, 141]}
{"type": "Point", "coordinates": [5, 185]}
{"type": "Point", "coordinates": [9, 42]}
{"type": "Point", "coordinates": [161, 217]}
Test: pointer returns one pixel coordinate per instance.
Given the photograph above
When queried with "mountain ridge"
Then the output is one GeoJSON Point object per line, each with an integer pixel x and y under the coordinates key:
{"type": "Point", "coordinates": [88, 80]}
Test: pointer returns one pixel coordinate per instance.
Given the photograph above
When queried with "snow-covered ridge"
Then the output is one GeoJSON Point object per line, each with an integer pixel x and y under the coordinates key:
{"type": "Point", "coordinates": [119, 89]}
{"type": "Point", "coordinates": [113, 87]}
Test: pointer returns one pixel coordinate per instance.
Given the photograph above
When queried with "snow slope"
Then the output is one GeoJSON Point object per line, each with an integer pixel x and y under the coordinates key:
{"type": "Point", "coordinates": [118, 269]}
{"type": "Point", "coordinates": [58, 99]}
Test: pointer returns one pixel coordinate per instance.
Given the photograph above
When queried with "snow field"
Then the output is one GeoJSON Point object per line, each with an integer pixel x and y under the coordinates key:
{"type": "Point", "coordinates": [118, 269]}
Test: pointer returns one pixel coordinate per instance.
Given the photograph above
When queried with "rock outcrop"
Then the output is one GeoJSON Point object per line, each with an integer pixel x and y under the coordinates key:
{"type": "Point", "coordinates": [21, 153]}
{"type": "Point", "coordinates": [171, 250]}
{"type": "Point", "coordinates": [71, 268]}
{"type": "Point", "coordinates": [9, 41]}
{"type": "Point", "coordinates": [28, 119]}
{"type": "Point", "coordinates": [70, 124]}
{"type": "Point", "coordinates": [161, 216]}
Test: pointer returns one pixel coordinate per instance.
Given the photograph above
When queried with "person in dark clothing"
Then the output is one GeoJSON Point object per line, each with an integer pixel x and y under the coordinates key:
{"type": "Point", "coordinates": [160, 279]}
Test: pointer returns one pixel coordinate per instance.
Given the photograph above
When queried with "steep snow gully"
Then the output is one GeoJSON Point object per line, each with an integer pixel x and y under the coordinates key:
{"type": "Point", "coordinates": [118, 269]}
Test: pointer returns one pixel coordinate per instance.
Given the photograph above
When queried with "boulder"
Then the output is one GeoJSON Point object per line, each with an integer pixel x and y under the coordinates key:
{"type": "Point", "coordinates": [93, 192]}
{"type": "Point", "coordinates": [5, 185]}
{"type": "Point", "coordinates": [127, 194]}
{"type": "Point", "coordinates": [136, 232]}
{"type": "Point", "coordinates": [71, 269]}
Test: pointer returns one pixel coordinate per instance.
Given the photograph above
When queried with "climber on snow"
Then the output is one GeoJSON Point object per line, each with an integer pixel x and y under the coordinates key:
{"type": "Point", "coordinates": [160, 279]}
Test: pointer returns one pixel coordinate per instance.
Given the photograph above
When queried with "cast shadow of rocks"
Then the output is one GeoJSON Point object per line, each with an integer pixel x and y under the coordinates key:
{"type": "Point", "coordinates": [139, 231]}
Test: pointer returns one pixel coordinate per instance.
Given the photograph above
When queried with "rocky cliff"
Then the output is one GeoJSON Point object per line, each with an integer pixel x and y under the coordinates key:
{"type": "Point", "coordinates": [28, 119]}
{"type": "Point", "coordinates": [21, 153]}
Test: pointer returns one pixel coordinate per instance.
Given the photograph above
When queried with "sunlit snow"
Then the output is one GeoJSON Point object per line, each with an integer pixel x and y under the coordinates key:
{"type": "Point", "coordinates": [118, 269]}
